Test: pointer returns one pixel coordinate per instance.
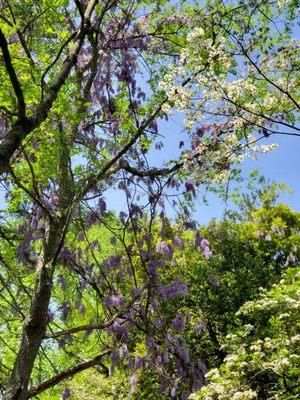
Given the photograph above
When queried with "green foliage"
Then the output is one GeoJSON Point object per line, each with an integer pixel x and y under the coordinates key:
{"type": "Point", "coordinates": [94, 385]}
{"type": "Point", "coordinates": [248, 258]}
{"type": "Point", "coordinates": [263, 354]}
{"type": "Point", "coordinates": [84, 86]}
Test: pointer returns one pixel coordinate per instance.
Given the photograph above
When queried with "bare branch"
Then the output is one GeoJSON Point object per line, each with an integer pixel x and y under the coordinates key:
{"type": "Point", "coordinates": [82, 328]}
{"type": "Point", "coordinates": [79, 7]}
{"type": "Point", "coordinates": [151, 172]}
{"type": "Point", "coordinates": [59, 53]}
{"type": "Point", "coordinates": [68, 373]}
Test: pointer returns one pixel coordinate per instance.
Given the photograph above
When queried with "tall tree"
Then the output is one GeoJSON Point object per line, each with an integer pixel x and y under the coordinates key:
{"type": "Point", "coordinates": [84, 87]}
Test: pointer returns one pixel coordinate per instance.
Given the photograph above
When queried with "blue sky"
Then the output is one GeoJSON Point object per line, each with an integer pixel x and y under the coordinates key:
{"type": "Point", "coordinates": [279, 165]}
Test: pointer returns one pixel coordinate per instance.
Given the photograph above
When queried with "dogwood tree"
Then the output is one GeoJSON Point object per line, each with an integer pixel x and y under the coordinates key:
{"type": "Point", "coordinates": [262, 361]}
{"type": "Point", "coordinates": [85, 86]}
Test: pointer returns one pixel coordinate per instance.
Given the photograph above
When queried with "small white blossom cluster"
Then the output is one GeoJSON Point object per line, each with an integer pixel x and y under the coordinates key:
{"type": "Point", "coordinates": [251, 354]}
{"type": "Point", "coordinates": [198, 63]}
{"type": "Point", "coordinates": [216, 153]}
{"type": "Point", "coordinates": [178, 96]}
{"type": "Point", "coordinates": [224, 389]}
{"type": "Point", "coordinates": [282, 303]}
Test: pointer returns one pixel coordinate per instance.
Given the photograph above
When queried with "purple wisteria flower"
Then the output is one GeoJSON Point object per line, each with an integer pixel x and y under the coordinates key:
{"type": "Point", "coordinates": [62, 283]}
{"type": "Point", "coordinates": [91, 219]}
{"type": "Point", "coordinates": [114, 301]}
{"type": "Point", "coordinates": [190, 188]}
{"type": "Point", "coordinates": [80, 307]}
{"type": "Point", "coordinates": [123, 215]}
{"type": "Point", "coordinates": [139, 362]}
{"type": "Point", "coordinates": [178, 323]}
{"type": "Point", "coordinates": [22, 254]}
{"type": "Point", "coordinates": [200, 327]}
{"type": "Point", "coordinates": [80, 236]}
{"type": "Point", "coordinates": [204, 244]}
{"type": "Point", "coordinates": [114, 358]}
{"type": "Point", "coordinates": [53, 201]}
{"type": "Point", "coordinates": [115, 261]}
{"type": "Point", "coordinates": [67, 257]}
{"type": "Point", "coordinates": [198, 239]}
{"type": "Point", "coordinates": [133, 382]}
{"type": "Point", "coordinates": [34, 224]}
{"type": "Point", "coordinates": [184, 354]}
{"type": "Point", "coordinates": [190, 225]}
{"type": "Point", "coordinates": [102, 206]}
{"type": "Point", "coordinates": [185, 395]}
{"type": "Point", "coordinates": [178, 242]}
{"type": "Point", "coordinates": [174, 389]}
{"type": "Point", "coordinates": [203, 368]}
{"type": "Point", "coordinates": [66, 393]}
{"type": "Point", "coordinates": [65, 311]}
{"type": "Point", "coordinates": [205, 249]}
{"type": "Point", "coordinates": [50, 316]}
{"type": "Point", "coordinates": [207, 253]}
{"type": "Point", "coordinates": [268, 237]}
{"type": "Point", "coordinates": [113, 240]}
{"type": "Point", "coordinates": [123, 351]}
{"type": "Point", "coordinates": [152, 269]}
{"type": "Point", "coordinates": [176, 288]}
{"type": "Point", "coordinates": [118, 329]}
{"type": "Point", "coordinates": [163, 248]}
{"type": "Point", "coordinates": [214, 280]}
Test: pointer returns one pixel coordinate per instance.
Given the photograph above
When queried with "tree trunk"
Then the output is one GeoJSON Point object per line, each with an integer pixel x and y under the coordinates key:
{"type": "Point", "coordinates": [35, 323]}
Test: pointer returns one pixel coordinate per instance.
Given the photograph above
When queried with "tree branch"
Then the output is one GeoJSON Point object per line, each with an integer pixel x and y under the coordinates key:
{"type": "Point", "coordinates": [13, 76]}
{"type": "Point", "coordinates": [100, 325]}
{"type": "Point", "coordinates": [82, 328]}
{"type": "Point", "coordinates": [79, 7]}
{"type": "Point", "coordinates": [68, 373]}
{"type": "Point", "coordinates": [151, 172]}
{"type": "Point", "coordinates": [255, 65]}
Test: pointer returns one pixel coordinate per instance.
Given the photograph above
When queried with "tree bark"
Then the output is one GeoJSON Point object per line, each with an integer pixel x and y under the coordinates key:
{"type": "Point", "coordinates": [35, 323]}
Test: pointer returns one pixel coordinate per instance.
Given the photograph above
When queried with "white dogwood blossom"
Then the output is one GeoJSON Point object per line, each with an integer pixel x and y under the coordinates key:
{"type": "Point", "coordinates": [248, 96]}
{"type": "Point", "coordinates": [270, 350]}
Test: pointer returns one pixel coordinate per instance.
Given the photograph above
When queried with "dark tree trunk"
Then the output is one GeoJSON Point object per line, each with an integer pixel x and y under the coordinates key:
{"type": "Point", "coordinates": [36, 322]}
